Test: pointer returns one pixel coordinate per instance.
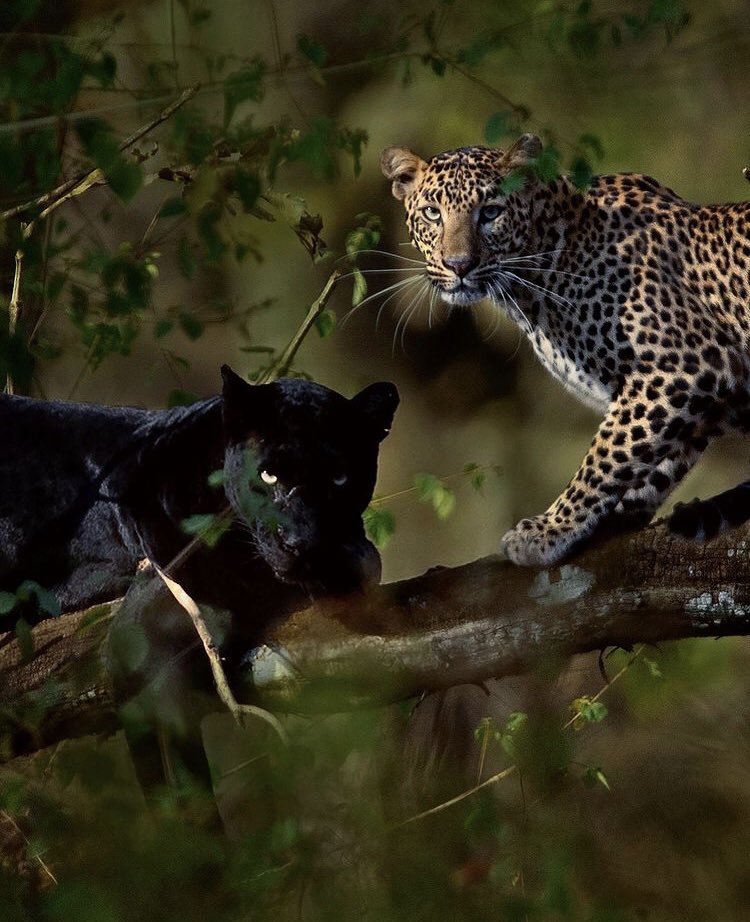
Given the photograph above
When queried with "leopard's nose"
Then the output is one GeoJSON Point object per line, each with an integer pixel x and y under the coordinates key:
{"type": "Point", "coordinates": [461, 265]}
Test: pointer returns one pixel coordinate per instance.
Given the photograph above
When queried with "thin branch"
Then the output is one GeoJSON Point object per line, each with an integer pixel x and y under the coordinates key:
{"type": "Point", "coordinates": [284, 362]}
{"type": "Point", "coordinates": [511, 769]}
{"type": "Point", "coordinates": [70, 184]}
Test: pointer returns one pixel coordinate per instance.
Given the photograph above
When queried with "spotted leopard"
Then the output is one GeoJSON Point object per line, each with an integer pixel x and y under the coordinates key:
{"type": "Point", "coordinates": [636, 300]}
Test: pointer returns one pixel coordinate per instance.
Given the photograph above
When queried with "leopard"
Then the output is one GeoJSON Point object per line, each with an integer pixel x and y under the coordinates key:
{"type": "Point", "coordinates": [635, 299]}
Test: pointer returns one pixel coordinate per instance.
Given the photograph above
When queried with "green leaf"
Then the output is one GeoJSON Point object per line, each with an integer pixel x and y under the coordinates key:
{"type": "Point", "coordinates": [512, 182]}
{"type": "Point", "coordinates": [653, 668]}
{"type": "Point", "coordinates": [208, 527]}
{"type": "Point", "coordinates": [476, 475]}
{"type": "Point", "coordinates": [46, 600]}
{"type": "Point", "coordinates": [25, 639]}
{"type": "Point", "coordinates": [99, 143]}
{"type": "Point", "coordinates": [216, 478]}
{"type": "Point", "coordinates": [360, 287]}
{"type": "Point", "coordinates": [588, 711]}
{"type": "Point", "coordinates": [592, 143]}
{"type": "Point", "coordinates": [547, 164]}
{"type": "Point", "coordinates": [433, 491]}
{"type": "Point", "coordinates": [581, 172]}
{"type": "Point", "coordinates": [8, 602]}
{"type": "Point", "coordinates": [499, 125]}
{"type": "Point", "coordinates": [325, 323]}
{"type": "Point", "coordinates": [242, 86]}
{"type": "Point", "coordinates": [192, 327]}
{"type": "Point", "coordinates": [312, 50]}
{"type": "Point", "coordinates": [593, 776]}
{"type": "Point", "coordinates": [162, 327]}
{"type": "Point", "coordinates": [179, 397]}
{"type": "Point", "coordinates": [172, 207]}
{"type": "Point", "coordinates": [380, 525]}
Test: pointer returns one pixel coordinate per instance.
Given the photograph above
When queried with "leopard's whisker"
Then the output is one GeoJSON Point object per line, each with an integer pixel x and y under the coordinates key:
{"type": "Point", "coordinates": [401, 283]}
{"type": "Point", "coordinates": [406, 315]}
{"type": "Point", "coordinates": [532, 286]}
{"type": "Point", "coordinates": [406, 259]}
{"type": "Point", "coordinates": [387, 300]}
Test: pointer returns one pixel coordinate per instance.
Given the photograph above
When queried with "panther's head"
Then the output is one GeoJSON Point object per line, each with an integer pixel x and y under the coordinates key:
{"type": "Point", "coordinates": [461, 217]}
{"type": "Point", "coordinates": [299, 469]}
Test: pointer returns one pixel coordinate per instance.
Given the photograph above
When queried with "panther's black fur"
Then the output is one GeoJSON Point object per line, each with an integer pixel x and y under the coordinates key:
{"type": "Point", "coordinates": [86, 492]}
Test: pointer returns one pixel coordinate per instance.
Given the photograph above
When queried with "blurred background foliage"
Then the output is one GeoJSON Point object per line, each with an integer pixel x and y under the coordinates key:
{"type": "Point", "coordinates": [211, 238]}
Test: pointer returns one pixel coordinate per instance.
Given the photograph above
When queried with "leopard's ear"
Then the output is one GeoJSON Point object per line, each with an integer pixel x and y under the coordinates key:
{"type": "Point", "coordinates": [377, 404]}
{"type": "Point", "coordinates": [403, 168]}
{"type": "Point", "coordinates": [521, 153]}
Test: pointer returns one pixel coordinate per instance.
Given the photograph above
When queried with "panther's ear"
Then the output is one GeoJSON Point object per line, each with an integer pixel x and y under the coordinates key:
{"type": "Point", "coordinates": [377, 404]}
{"type": "Point", "coordinates": [402, 167]}
{"type": "Point", "coordinates": [246, 408]}
{"type": "Point", "coordinates": [521, 153]}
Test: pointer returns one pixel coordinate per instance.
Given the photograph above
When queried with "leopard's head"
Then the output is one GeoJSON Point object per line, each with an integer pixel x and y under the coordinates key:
{"type": "Point", "coordinates": [461, 217]}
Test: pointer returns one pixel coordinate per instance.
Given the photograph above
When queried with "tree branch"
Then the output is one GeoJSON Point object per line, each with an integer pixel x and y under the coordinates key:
{"type": "Point", "coordinates": [486, 619]}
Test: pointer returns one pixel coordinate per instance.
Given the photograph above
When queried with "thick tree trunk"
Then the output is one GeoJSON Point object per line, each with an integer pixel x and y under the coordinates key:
{"type": "Point", "coordinates": [486, 619]}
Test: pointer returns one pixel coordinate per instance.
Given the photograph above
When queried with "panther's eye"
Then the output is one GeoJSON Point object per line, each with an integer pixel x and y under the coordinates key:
{"type": "Point", "coordinates": [340, 480]}
{"type": "Point", "coordinates": [490, 212]}
{"type": "Point", "coordinates": [270, 479]}
{"type": "Point", "coordinates": [431, 213]}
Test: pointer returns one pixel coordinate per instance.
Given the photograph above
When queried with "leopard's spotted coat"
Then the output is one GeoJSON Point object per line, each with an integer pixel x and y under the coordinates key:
{"type": "Point", "coordinates": [638, 301]}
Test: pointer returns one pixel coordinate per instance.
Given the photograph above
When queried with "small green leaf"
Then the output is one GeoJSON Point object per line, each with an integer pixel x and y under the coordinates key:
{"type": "Point", "coordinates": [216, 478]}
{"type": "Point", "coordinates": [477, 476]}
{"type": "Point", "coordinates": [312, 50]}
{"type": "Point", "coordinates": [208, 527]}
{"type": "Point", "coordinates": [242, 86]}
{"type": "Point", "coordinates": [581, 173]}
{"type": "Point", "coordinates": [172, 207]}
{"type": "Point", "coordinates": [433, 491]}
{"type": "Point", "coordinates": [325, 323]}
{"type": "Point", "coordinates": [499, 125]}
{"type": "Point", "coordinates": [162, 327]}
{"type": "Point", "coordinates": [25, 639]}
{"type": "Point", "coordinates": [512, 182]}
{"type": "Point", "coordinates": [192, 327]}
{"type": "Point", "coordinates": [8, 602]}
{"type": "Point", "coordinates": [593, 776]}
{"type": "Point", "coordinates": [653, 668]}
{"type": "Point", "coordinates": [360, 287]}
{"type": "Point", "coordinates": [588, 711]}
{"type": "Point", "coordinates": [380, 525]}
{"type": "Point", "coordinates": [179, 397]}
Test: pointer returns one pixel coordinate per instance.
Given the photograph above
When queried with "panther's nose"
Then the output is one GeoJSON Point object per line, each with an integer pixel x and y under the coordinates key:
{"type": "Point", "coordinates": [461, 265]}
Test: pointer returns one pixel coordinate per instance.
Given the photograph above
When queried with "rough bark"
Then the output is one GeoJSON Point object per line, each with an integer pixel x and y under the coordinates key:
{"type": "Point", "coordinates": [486, 619]}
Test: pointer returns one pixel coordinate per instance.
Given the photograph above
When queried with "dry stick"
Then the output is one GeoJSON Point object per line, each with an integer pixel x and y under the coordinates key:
{"type": "Point", "coordinates": [282, 365]}
{"type": "Point", "coordinates": [238, 711]}
{"type": "Point", "coordinates": [13, 313]}
{"type": "Point", "coordinates": [512, 769]}
{"type": "Point", "coordinates": [124, 145]}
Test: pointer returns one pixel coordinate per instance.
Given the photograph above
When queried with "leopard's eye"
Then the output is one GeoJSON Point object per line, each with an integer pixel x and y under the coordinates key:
{"type": "Point", "coordinates": [340, 480]}
{"type": "Point", "coordinates": [431, 213]}
{"type": "Point", "coordinates": [268, 478]}
{"type": "Point", "coordinates": [489, 212]}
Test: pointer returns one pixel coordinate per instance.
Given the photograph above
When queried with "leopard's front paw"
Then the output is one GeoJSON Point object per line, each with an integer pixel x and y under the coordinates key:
{"type": "Point", "coordinates": [532, 543]}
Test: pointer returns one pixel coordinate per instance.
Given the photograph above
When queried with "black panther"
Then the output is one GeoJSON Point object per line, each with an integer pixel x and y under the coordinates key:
{"type": "Point", "coordinates": [86, 492]}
